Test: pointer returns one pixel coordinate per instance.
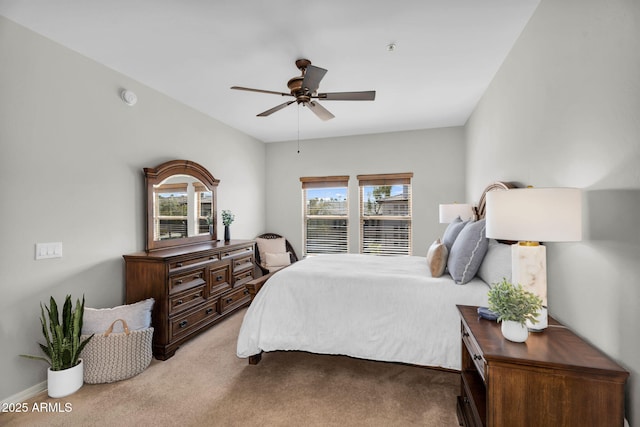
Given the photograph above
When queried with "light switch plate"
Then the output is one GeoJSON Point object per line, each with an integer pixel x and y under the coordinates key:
{"type": "Point", "coordinates": [48, 250]}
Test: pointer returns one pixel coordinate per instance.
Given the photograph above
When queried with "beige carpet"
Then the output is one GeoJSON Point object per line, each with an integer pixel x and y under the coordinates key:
{"type": "Point", "coordinates": [206, 384]}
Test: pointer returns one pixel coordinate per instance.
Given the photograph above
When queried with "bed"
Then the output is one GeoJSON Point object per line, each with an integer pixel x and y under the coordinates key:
{"type": "Point", "coordinates": [379, 308]}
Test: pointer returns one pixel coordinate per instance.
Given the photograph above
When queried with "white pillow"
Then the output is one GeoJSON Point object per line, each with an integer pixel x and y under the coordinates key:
{"type": "Point", "coordinates": [496, 264]}
{"type": "Point", "coordinates": [274, 246]}
{"type": "Point", "coordinates": [277, 260]}
{"type": "Point", "coordinates": [98, 320]}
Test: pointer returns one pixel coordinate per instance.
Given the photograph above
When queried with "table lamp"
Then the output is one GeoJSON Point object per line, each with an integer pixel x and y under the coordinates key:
{"type": "Point", "coordinates": [530, 216]}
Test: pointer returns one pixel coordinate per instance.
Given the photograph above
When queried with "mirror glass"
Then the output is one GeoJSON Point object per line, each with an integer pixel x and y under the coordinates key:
{"type": "Point", "coordinates": [182, 208]}
{"type": "Point", "coordinates": [181, 205]}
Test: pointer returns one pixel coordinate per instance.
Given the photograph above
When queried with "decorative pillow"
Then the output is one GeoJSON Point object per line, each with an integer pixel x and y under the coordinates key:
{"type": "Point", "coordinates": [496, 264]}
{"type": "Point", "coordinates": [277, 260]}
{"type": "Point", "coordinates": [437, 258]}
{"type": "Point", "coordinates": [451, 233]}
{"type": "Point", "coordinates": [273, 246]}
{"type": "Point", "coordinates": [98, 320]}
{"type": "Point", "coordinates": [467, 252]}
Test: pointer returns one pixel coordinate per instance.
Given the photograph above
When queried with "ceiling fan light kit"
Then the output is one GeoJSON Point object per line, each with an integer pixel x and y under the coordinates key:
{"type": "Point", "coordinates": [304, 88]}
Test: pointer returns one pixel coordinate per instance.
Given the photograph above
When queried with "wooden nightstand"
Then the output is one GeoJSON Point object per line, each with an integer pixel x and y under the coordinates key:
{"type": "Point", "coordinates": [553, 379]}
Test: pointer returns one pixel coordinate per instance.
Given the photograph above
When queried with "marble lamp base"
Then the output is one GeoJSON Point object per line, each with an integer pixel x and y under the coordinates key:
{"type": "Point", "coordinates": [529, 268]}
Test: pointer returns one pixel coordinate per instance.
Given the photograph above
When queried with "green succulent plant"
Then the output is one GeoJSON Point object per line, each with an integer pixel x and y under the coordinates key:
{"type": "Point", "coordinates": [63, 343]}
{"type": "Point", "coordinates": [227, 217]}
{"type": "Point", "coordinates": [513, 302]}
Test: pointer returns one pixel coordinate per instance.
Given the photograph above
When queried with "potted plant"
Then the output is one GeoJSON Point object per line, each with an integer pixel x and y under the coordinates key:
{"type": "Point", "coordinates": [63, 347]}
{"type": "Point", "coordinates": [227, 220]}
{"type": "Point", "coordinates": [514, 306]}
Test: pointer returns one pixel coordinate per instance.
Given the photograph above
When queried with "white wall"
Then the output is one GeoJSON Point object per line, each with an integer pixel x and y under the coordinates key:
{"type": "Point", "coordinates": [564, 110]}
{"type": "Point", "coordinates": [434, 156]}
{"type": "Point", "coordinates": [71, 159]}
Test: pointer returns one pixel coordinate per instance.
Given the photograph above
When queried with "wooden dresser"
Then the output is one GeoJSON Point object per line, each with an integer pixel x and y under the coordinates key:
{"type": "Point", "coordinates": [193, 286]}
{"type": "Point", "coordinates": [553, 379]}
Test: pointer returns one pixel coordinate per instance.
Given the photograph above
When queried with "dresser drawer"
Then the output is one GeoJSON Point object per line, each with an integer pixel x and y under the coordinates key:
{"type": "Point", "coordinates": [242, 278]}
{"type": "Point", "coordinates": [242, 263]}
{"type": "Point", "coordinates": [181, 282]}
{"type": "Point", "coordinates": [186, 263]}
{"type": "Point", "coordinates": [474, 352]}
{"type": "Point", "coordinates": [219, 280]}
{"type": "Point", "coordinates": [187, 299]}
{"type": "Point", "coordinates": [238, 252]}
{"type": "Point", "coordinates": [233, 299]}
{"type": "Point", "coordinates": [193, 320]}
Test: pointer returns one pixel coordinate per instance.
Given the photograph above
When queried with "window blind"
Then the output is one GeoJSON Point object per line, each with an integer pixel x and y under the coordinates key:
{"type": "Point", "coordinates": [385, 214]}
{"type": "Point", "coordinates": [325, 214]}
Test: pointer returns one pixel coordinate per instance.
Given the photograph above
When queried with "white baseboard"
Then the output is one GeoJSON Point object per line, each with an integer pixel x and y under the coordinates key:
{"type": "Point", "coordinates": [26, 394]}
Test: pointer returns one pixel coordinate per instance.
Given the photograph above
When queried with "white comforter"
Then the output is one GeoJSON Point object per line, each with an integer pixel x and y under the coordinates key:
{"type": "Point", "coordinates": [370, 307]}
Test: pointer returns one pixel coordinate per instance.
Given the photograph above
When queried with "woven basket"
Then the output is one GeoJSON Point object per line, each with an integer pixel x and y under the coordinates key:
{"type": "Point", "coordinates": [113, 357]}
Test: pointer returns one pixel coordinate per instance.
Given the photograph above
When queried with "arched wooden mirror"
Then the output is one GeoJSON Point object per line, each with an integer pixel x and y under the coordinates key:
{"type": "Point", "coordinates": [181, 205]}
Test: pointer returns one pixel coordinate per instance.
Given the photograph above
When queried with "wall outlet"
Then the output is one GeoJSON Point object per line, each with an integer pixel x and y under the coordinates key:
{"type": "Point", "coordinates": [48, 250]}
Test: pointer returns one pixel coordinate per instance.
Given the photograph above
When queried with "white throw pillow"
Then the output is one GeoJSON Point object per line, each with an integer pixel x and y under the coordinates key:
{"type": "Point", "coordinates": [273, 246]}
{"type": "Point", "coordinates": [277, 260]}
{"type": "Point", "coordinates": [496, 264]}
{"type": "Point", "coordinates": [98, 320]}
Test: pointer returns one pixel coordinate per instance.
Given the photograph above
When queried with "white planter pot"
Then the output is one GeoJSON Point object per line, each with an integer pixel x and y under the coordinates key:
{"type": "Point", "coordinates": [66, 382]}
{"type": "Point", "coordinates": [514, 331]}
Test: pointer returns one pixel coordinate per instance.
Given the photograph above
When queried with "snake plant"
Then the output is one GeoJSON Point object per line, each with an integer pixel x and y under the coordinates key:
{"type": "Point", "coordinates": [63, 343]}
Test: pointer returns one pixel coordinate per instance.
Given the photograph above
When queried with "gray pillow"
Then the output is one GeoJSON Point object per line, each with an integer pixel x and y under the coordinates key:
{"type": "Point", "coordinates": [98, 320]}
{"type": "Point", "coordinates": [451, 233]}
{"type": "Point", "coordinates": [496, 264]}
{"type": "Point", "coordinates": [467, 252]}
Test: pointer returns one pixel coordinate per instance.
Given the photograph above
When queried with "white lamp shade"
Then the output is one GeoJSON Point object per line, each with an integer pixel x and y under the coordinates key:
{"type": "Point", "coordinates": [535, 214]}
{"type": "Point", "coordinates": [449, 212]}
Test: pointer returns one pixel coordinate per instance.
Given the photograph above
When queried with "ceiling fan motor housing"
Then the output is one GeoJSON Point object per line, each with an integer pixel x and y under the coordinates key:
{"type": "Point", "coordinates": [295, 86]}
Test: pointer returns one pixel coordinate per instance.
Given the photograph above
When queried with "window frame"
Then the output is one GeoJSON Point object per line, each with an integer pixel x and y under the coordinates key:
{"type": "Point", "coordinates": [385, 180]}
{"type": "Point", "coordinates": [327, 182]}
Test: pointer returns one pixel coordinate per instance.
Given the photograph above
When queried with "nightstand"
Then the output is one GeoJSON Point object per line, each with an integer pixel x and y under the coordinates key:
{"type": "Point", "coordinates": [553, 379]}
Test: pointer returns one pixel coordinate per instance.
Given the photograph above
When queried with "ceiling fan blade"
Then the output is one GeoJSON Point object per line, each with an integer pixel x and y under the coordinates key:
{"type": "Point", "coordinates": [348, 96]}
{"type": "Point", "coordinates": [276, 108]}
{"type": "Point", "coordinates": [248, 89]}
{"type": "Point", "coordinates": [319, 110]}
{"type": "Point", "coordinates": [312, 77]}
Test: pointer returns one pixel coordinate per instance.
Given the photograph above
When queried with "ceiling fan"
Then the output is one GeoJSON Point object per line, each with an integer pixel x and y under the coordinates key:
{"type": "Point", "coordinates": [304, 89]}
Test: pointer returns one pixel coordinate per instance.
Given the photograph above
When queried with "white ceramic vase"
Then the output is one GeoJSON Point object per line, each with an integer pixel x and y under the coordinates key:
{"type": "Point", "coordinates": [514, 331]}
{"type": "Point", "coordinates": [65, 382]}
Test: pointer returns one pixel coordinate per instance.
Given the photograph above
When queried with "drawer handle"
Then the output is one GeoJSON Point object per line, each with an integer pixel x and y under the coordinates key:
{"type": "Point", "coordinates": [228, 300]}
{"type": "Point", "coordinates": [209, 310]}
{"type": "Point", "coordinates": [477, 357]}
{"type": "Point", "coordinates": [212, 257]}
{"type": "Point", "coordinates": [197, 276]}
{"type": "Point", "coordinates": [179, 282]}
{"type": "Point", "coordinates": [465, 334]}
{"type": "Point", "coordinates": [179, 302]}
{"type": "Point", "coordinates": [179, 264]}
{"type": "Point", "coordinates": [246, 291]}
{"type": "Point", "coordinates": [183, 324]}
{"type": "Point", "coordinates": [218, 278]}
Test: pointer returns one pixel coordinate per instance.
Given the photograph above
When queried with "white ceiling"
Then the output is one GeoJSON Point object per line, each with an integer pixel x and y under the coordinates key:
{"type": "Point", "coordinates": [447, 52]}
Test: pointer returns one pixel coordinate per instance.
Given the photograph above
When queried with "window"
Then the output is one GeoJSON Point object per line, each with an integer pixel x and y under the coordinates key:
{"type": "Point", "coordinates": [171, 215]}
{"type": "Point", "coordinates": [385, 214]}
{"type": "Point", "coordinates": [326, 211]}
